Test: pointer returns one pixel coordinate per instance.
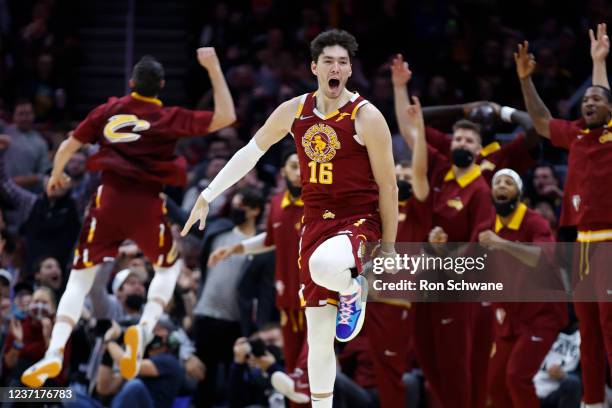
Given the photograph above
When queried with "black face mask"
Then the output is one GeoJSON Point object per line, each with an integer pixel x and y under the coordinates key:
{"type": "Point", "coordinates": [237, 215]}
{"type": "Point", "coordinates": [462, 158]}
{"type": "Point", "coordinates": [404, 190]}
{"type": "Point", "coordinates": [294, 191]}
{"type": "Point", "coordinates": [505, 208]}
{"type": "Point", "coordinates": [156, 343]}
{"type": "Point", "coordinates": [134, 302]}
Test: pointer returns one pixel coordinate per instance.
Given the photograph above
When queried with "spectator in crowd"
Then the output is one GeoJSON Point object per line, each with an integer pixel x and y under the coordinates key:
{"type": "Point", "coordinates": [49, 274]}
{"type": "Point", "coordinates": [217, 315]}
{"type": "Point", "coordinates": [27, 159]}
{"type": "Point", "coordinates": [29, 335]}
{"type": "Point", "coordinates": [49, 223]}
{"type": "Point", "coordinates": [160, 376]}
{"type": "Point", "coordinates": [213, 167]}
{"type": "Point", "coordinates": [6, 280]}
{"type": "Point", "coordinates": [255, 362]}
{"type": "Point", "coordinates": [545, 186]}
{"type": "Point", "coordinates": [557, 382]}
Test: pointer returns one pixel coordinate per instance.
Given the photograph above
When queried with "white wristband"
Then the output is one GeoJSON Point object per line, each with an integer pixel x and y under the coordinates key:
{"type": "Point", "coordinates": [506, 113]}
{"type": "Point", "coordinates": [239, 165]}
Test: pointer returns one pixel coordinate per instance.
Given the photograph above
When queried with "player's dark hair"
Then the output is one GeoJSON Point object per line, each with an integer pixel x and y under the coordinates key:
{"type": "Point", "coordinates": [287, 153]}
{"type": "Point", "coordinates": [605, 90]}
{"type": "Point", "coordinates": [147, 76]}
{"type": "Point", "coordinates": [467, 124]}
{"type": "Point", "coordinates": [333, 37]}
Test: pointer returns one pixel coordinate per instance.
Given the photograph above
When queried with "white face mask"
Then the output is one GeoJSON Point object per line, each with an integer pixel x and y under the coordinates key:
{"type": "Point", "coordinates": [39, 310]}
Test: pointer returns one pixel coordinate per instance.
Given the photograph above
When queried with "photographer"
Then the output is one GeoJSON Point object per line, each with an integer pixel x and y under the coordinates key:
{"type": "Point", "coordinates": [255, 360]}
{"type": "Point", "coordinates": [160, 376]}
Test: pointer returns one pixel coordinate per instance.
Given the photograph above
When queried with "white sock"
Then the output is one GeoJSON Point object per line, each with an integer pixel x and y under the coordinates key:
{"type": "Point", "coordinates": [321, 332]}
{"type": "Point", "coordinates": [59, 337]}
{"type": "Point", "coordinates": [322, 402]}
{"type": "Point", "coordinates": [353, 287]}
{"type": "Point", "coordinates": [150, 316]}
{"type": "Point", "coordinates": [598, 405]}
{"type": "Point", "coordinates": [160, 289]}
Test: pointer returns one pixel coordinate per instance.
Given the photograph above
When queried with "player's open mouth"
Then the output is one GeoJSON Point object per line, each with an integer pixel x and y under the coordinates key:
{"type": "Point", "coordinates": [333, 83]}
{"type": "Point", "coordinates": [501, 198]}
{"type": "Point", "coordinates": [589, 113]}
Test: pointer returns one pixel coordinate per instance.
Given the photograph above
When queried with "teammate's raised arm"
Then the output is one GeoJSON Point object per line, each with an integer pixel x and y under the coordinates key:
{"type": "Point", "coordinates": [400, 76]}
{"type": "Point", "coordinates": [525, 65]}
{"type": "Point", "coordinates": [600, 47]}
{"type": "Point", "coordinates": [371, 125]}
{"type": "Point", "coordinates": [276, 127]}
{"type": "Point", "coordinates": [420, 183]}
{"type": "Point", "coordinates": [224, 114]}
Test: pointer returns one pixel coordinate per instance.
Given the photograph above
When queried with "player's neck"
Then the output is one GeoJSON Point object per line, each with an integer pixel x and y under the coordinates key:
{"type": "Point", "coordinates": [327, 105]}
{"type": "Point", "coordinates": [461, 171]}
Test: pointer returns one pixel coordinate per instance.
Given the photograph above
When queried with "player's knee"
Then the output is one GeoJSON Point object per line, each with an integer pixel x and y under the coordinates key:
{"type": "Point", "coordinates": [319, 267]}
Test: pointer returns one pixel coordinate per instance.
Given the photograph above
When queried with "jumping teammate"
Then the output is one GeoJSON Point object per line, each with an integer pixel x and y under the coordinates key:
{"type": "Point", "coordinates": [349, 193]}
{"type": "Point", "coordinates": [137, 137]}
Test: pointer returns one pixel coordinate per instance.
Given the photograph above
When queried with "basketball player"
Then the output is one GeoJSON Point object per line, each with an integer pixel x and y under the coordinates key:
{"type": "Point", "coordinates": [524, 332]}
{"type": "Point", "coordinates": [137, 137]}
{"type": "Point", "coordinates": [349, 193]}
{"type": "Point", "coordinates": [452, 340]}
{"type": "Point", "coordinates": [589, 141]}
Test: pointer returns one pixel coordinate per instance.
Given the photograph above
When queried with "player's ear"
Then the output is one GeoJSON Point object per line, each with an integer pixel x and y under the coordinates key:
{"type": "Point", "coordinates": [162, 84]}
{"type": "Point", "coordinates": [313, 68]}
{"type": "Point", "coordinates": [131, 83]}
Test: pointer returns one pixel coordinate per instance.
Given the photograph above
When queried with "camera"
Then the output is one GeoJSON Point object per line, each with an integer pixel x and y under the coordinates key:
{"type": "Point", "coordinates": [258, 347]}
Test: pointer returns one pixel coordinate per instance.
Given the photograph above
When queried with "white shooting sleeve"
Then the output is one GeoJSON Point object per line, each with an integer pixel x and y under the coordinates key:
{"type": "Point", "coordinates": [239, 165]}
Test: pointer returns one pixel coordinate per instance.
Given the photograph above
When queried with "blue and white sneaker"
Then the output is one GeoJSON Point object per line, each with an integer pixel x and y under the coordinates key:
{"type": "Point", "coordinates": [351, 312]}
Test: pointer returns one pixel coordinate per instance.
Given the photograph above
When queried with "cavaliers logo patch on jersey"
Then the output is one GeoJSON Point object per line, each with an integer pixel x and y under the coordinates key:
{"type": "Point", "coordinates": [320, 143]}
{"type": "Point", "coordinates": [118, 122]}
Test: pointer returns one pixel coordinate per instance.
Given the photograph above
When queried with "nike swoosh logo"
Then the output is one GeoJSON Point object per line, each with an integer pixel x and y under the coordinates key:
{"type": "Point", "coordinates": [306, 117]}
{"type": "Point", "coordinates": [536, 339]}
{"type": "Point", "coordinates": [277, 224]}
{"type": "Point", "coordinates": [446, 321]}
{"type": "Point", "coordinates": [390, 353]}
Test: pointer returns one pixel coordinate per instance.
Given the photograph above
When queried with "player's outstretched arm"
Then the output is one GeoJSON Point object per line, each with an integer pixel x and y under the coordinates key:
{"type": "Point", "coordinates": [420, 183]}
{"type": "Point", "coordinates": [65, 151]}
{"type": "Point", "coordinates": [224, 114]}
{"type": "Point", "coordinates": [372, 127]}
{"type": "Point", "coordinates": [600, 47]}
{"type": "Point", "coordinates": [276, 127]}
{"type": "Point", "coordinates": [525, 65]}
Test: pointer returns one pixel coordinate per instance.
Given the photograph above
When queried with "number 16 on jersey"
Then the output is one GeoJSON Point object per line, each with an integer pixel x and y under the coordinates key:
{"type": "Point", "coordinates": [321, 172]}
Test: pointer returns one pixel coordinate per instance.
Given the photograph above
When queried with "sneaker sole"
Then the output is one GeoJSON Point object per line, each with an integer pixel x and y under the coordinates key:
{"type": "Point", "coordinates": [282, 383]}
{"type": "Point", "coordinates": [364, 297]}
{"type": "Point", "coordinates": [37, 378]}
{"type": "Point", "coordinates": [129, 365]}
